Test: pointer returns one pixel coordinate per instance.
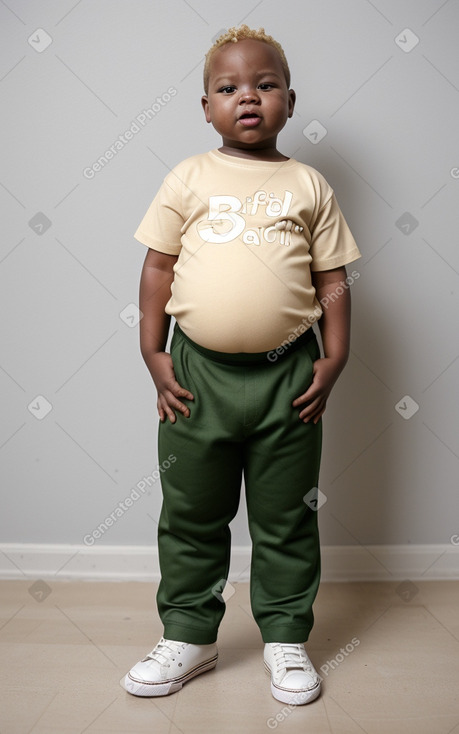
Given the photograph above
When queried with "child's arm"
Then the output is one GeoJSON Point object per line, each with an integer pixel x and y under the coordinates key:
{"type": "Point", "coordinates": [334, 327]}
{"type": "Point", "coordinates": [155, 291]}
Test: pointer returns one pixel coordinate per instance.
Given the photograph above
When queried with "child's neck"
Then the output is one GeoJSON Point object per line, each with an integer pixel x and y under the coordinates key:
{"type": "Point", "coordinates": [254, 154]}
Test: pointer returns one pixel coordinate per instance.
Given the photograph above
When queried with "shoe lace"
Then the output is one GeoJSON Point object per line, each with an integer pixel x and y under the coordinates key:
{"type": "Point", "coordinates": [165, 651]}
{"type": "Point", "coordinates": [288, 656]}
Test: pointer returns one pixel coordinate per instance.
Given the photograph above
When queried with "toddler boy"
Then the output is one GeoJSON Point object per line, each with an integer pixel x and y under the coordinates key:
{"type": "Point", "coordinates": [244, 243]}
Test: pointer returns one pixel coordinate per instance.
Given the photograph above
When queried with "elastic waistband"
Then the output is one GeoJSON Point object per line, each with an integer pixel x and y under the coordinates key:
{"type": "Point", "coordinates": [273, 355]}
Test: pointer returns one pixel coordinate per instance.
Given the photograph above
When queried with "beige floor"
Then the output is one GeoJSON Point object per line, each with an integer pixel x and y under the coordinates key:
{"type": "Point", "coordinates": [65, 646]}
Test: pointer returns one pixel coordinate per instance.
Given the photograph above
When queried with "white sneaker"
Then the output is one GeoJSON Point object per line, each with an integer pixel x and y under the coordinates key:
{"type": "Point", "coordinates": [166, 668]}
{"type": "Point", "coordinates": [293, 678]}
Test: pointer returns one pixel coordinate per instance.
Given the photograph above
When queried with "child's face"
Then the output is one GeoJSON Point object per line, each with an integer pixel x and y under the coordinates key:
{"type": "Point", "coordinates": [248, 101]}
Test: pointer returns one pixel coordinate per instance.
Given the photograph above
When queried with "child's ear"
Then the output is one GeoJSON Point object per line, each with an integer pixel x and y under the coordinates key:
{"type": "Point", "coordinates": [205, 107]}
{"type": "Point", "coordinates": [291, 101]}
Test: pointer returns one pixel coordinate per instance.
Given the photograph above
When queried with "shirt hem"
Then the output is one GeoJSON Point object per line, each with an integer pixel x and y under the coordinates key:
{"type": "Point", "coordinates": [335, 262]}
{"type": "Point", "coordinates": [155, 245]}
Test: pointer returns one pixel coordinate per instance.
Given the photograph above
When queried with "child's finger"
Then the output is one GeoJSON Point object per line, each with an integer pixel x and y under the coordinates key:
{"type": "Point", "coordinates": [310, 394]}
{"type": "Point", "coordinates": [182, 392]}
{"type": "Point", "coordinates": [174, 402]}
{"type": "Point", "coordinates": [166, 409]}
{"type": "Point", "coordinates": [310, 409]}
{"type": "Point", "coordinates": [313, 412]}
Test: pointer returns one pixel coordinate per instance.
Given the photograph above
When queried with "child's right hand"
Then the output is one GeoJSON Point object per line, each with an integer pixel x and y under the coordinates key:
{"type": "Point", "coordinates": [169, 391]}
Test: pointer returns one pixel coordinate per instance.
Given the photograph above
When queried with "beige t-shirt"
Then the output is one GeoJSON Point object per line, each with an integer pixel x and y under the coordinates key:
{"type": "Point", "coordinates": [247, 234]}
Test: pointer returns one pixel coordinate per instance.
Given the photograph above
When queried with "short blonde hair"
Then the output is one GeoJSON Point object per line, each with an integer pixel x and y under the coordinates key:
{"type": "Point", "coordinates": [239, 34]}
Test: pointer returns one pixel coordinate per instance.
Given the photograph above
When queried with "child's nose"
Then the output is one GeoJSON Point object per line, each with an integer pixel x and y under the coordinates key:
{"type": "Point", "coordinates": [249, 96]}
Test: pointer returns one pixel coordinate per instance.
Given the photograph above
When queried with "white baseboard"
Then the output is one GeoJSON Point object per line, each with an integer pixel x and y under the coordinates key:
{"type": "Point", "coordinates": [140, 563]}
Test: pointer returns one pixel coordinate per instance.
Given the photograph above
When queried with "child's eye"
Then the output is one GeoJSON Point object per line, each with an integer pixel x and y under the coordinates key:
{"type": "Point", "coordinates": [227, 90]}
{"type": "Point", "coordinates": [266, 85]}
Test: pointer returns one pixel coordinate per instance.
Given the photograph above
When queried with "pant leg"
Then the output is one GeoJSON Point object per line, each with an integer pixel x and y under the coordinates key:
{"type": "Point", "coordinates": [201, 492]}
{"type": "Point", "coordinates": [281, 465]}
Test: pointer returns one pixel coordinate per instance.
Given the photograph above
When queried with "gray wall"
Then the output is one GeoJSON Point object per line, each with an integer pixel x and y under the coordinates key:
{"type": "Point", "coordinates": [70, 264]}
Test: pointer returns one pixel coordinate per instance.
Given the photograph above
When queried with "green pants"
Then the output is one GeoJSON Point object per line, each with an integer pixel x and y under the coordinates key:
{"type": "Point", "coordinates": [242, 424]}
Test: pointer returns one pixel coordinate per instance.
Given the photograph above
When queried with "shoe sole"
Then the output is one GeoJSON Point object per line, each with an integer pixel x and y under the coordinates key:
{"type": "Point", "coordinates": [290, 695]}
{"type": "Point", "coordinates": [165, 688]}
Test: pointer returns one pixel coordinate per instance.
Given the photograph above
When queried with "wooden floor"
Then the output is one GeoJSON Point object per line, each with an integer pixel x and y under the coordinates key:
{"type": "Point", "coordinates": [388, 654]}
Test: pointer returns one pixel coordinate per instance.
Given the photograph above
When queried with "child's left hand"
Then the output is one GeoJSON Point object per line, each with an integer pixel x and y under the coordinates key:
{"type": "Point", "coordinates": [325, 373]}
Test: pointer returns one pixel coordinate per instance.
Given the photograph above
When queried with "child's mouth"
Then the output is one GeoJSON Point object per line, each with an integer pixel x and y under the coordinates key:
{"type": "Point", "coordinates": [250, 119]}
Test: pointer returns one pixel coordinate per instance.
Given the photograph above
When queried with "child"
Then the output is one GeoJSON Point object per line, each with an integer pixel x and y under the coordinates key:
{"type": "Point", "coordinates": [244, 243]}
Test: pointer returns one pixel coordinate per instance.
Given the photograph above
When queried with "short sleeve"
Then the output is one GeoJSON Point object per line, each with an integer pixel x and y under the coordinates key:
{"type": "Point", "coordinates": [332, 243]}
{"type": "Point", "coordinates": [161, 227]}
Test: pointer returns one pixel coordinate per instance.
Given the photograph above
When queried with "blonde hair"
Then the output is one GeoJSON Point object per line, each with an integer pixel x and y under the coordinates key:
{"type": "Point", "coordinates": [239, 34]}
